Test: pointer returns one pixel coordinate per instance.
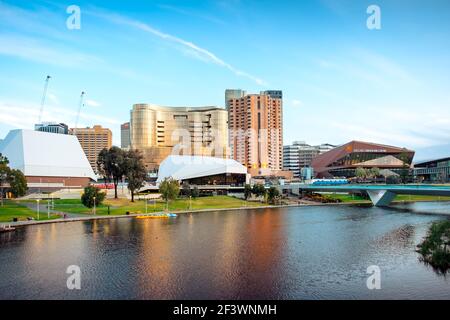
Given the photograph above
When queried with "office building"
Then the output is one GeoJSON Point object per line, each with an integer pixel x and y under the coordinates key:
{"type": "Point", "coordinates": [125, 140]}
{"type": "Point", "coordinates": [299, 156]}
{"type": "Point", "coordinates": [437, 170]}
{"type": "Point", "coordinates": [159, 131]}
{"type": "Point", "coordinates": [52, 127]}
{"type": "Point", "coordinates": [256, 133]}
{"type": "Point", "coordinates": [344, 160]}
{"type": "Point", "coordinates": [93, 140]}
{"type": "Point", "coordinates": [48, 161]}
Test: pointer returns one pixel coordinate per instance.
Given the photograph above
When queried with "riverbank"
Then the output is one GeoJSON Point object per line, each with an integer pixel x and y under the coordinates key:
{"type": "Point", "coordinates": [89, 217]}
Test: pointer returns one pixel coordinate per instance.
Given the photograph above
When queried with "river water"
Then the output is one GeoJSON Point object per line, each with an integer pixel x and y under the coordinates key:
{"type": "Point", "coordinates": [320, 252]}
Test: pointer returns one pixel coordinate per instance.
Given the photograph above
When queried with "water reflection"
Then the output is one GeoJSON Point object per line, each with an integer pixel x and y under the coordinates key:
{"type": "Point", "coordinates": [290, 253]}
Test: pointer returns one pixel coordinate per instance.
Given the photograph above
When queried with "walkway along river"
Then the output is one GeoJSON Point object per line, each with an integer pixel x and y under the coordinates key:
{"type": "Point", "coordinates": [317, 252]}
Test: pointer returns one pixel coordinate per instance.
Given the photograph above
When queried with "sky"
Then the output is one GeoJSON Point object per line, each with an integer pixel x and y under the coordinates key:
{"type": "Point", "coordinates": [341, 80]}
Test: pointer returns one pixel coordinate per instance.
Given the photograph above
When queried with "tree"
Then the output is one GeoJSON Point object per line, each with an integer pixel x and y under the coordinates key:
{"type": "Point", "coordinates": [273, 195]}
{"type": "Point", "coordinates": [17, 183]}
{"type": "Point", "coordinates": [4, 171]}
{"type": "Point", "coordinates": [247, 191]}
{"type": "Point", "coordinates": [91, 193]}
{"type": "Point", "coordinates": [259, 190]}
{"type": "Point", "coordinates": [186, 189]}
{"type": "Point", "coordinates": [111, 164]}
{"type": "Point", "coordinates": [361, 173]}
{"type": "Point", "coordinates": [404, 172]}
{"type": "Point", "coordinates": [374, 172]}
{"type": "Point", "coordinates": [195, 193]}
{"type": "Point", "coordinates": [169, 189]}
{"type": "Point", "coordinates": [134, 170]}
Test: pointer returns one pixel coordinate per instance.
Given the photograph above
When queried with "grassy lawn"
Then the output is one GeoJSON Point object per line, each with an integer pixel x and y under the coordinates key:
{"type": "Point", "coordinates": [12, 210]}
{"type": "Point", "coordinates": [121, 206]}
{"type": "Point", "coordinates": [354, 198]}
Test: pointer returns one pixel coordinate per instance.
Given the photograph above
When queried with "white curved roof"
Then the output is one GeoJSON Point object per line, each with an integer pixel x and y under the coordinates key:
{"type": "Point", "coordinates": [44, 154]}
{"type": "Point", "coordinates": [188, 167]}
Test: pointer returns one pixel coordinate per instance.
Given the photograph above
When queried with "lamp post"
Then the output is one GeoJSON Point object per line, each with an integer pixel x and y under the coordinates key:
{"type": "Point", "coordinates": [2, 178]}
{"type": "Point", "coordinates": [37, 204]}
{"type": "Point", "coordinates": [94, 206]}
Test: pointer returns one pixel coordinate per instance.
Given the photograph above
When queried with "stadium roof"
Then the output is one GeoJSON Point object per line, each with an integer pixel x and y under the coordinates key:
{"type": "Point", "coordinates": [43, 154]}
{"type": "Point", "coordinates": [189, 167]}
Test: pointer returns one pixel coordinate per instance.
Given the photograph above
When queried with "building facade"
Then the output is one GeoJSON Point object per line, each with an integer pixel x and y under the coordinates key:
{"type": "Point", "coordinates": [48, 161]}
{"type": "Point", "coordinates": [437, 170]}
{"type": "Point", "coordinates": [233, 94]}
{"type": "Point", "coordinates": [299, 156]}
{"type": "Point", "coordinates": [93, 140]}
{"type": "Point", "coordinates": [125, 140]}
{"type": "Point", "coordinates": [344, 160]}
{"type": "Point", "coordinates": [159, 131]}
{"type": "Point", "coordinates": [52, 127]}
{"type": "Point", "coordinates": [256, 133]}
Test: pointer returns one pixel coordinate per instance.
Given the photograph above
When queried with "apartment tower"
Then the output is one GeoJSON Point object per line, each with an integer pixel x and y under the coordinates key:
{"type": "Point", "coordinates": [256, 132]}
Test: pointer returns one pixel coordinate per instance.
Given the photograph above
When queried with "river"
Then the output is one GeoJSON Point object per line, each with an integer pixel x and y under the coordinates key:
{"type": "Point", "coordinates": [310, 252]}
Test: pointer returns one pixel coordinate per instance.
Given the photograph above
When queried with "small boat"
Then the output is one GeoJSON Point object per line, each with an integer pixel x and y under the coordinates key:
{"type": "Point", "coordinates": [7, 228]}
{"type": "Point", "coordinates": [157, 216]}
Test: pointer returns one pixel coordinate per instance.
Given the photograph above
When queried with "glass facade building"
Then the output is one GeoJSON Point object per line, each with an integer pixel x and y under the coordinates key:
{"type": "Point", "coordinates": [344, 160]}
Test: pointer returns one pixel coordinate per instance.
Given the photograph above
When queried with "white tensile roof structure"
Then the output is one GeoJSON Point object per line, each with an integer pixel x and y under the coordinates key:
{"type": "Point", "coordinates": [189, 167]}
{"type": "Point", "coordinates": [43, 154]}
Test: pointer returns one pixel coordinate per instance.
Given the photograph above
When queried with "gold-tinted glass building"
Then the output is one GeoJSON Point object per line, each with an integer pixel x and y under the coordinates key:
{"type": "Point", "coordinates": [159, 131]}
{"type": "Point", "coordinates": [93, 140]}
{"type": "Point", "coordinates": [256, 132]}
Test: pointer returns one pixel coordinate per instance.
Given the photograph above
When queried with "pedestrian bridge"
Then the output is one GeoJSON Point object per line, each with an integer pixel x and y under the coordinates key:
{"type": "Point", "coordinates": [380, 195]}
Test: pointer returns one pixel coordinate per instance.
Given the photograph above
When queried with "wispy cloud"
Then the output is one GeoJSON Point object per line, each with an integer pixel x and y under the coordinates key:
{"type": "Point", "coordinates": [92, 103]}
{"type": "Point", "coordinates": [191, 13]}
{"type": "Point", "coordinates": [201, 53]}
{"type": "Point", "coordinates": [31, 49]}
{"type": "Point", "coordinates": [24, 115]}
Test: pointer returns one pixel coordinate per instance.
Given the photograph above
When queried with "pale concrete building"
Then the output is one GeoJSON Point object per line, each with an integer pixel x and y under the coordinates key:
{"type": "Point", "coordinates": [93, 140]}
{"type": "Point", "coordinates": [159, 131]}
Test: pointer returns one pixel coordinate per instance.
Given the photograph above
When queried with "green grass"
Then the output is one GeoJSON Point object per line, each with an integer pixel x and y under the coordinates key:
{"type": "Point", "coordinates": [121, 206]}
{"type": "Point", "coordinates": [11, 210]}
{"type": "Point", "coordinates": [349, 198]}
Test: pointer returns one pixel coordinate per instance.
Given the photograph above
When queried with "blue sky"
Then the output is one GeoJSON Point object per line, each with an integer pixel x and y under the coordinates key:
{"type": "Point", "coordinates": [341, 81]}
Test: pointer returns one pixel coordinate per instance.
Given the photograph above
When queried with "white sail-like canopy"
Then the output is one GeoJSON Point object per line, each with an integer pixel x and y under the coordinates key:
{"type": "Point", "coordinates": [188, 167]}
{"type": "Point", "coordinates": [43, 154]}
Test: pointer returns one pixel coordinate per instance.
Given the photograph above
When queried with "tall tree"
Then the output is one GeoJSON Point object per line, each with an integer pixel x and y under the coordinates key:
{"type": "Point", "coordinates": [247, 191]}
{"type": "Point", "coordinates": [404, 172]}
{"type": "Point", "coordinates": [111, 165]}
{"type": "Point", "coordinates": [273, 195]}
{"type": "Point", "coordinates": [135, 171]}
{"type": "Point", "coordinates": [169, 189]}
{"type": "Point", "coordinates": [17, 183]}
{"type": "Point", "coordinates": [4, 172]}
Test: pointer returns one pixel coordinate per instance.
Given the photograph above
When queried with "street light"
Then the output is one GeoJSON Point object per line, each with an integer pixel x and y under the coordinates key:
{"type": "Point", "coordinates": [3, 177]}
{"type": "Point", "coordinates": [37, 202]}
{"type": "Point", "coordinates": [94, 205]}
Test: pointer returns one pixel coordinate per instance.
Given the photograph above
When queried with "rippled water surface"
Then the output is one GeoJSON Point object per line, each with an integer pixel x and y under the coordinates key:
{"type": "Point", "coordinates": [290, 253]}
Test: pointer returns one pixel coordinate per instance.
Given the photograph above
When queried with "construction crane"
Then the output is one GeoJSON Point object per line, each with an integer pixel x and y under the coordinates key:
{"type": "Point", "coordinates": [80, 104]}
{"type": "Point", "coordinates": [44, 95]}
